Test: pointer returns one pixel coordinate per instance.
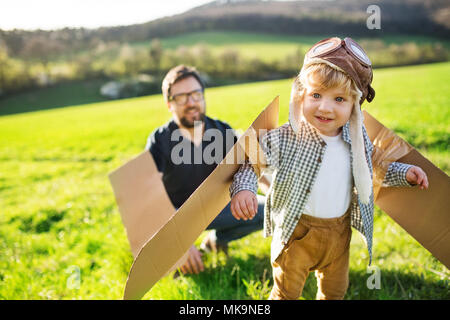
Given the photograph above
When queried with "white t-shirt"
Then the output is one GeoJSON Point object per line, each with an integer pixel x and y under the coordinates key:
{"type": "Point", "coordinates": [331, 193]}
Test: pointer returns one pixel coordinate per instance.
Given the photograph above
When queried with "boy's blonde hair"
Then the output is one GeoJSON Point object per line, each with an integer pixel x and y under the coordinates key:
{"type": "Point", "coordinates": [322, 76]}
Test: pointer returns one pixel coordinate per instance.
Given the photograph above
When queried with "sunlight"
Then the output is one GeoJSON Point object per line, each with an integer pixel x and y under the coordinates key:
{"type": "Point", "coordinates": [54, 14]}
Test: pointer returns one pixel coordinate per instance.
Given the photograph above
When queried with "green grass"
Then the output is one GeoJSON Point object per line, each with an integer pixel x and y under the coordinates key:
{"type": "Point", "coordinates": [219, 38]}
{"type": "Point", "coordinates": [267, 47]}
{"type": "Point", "coordinates": [59, 222]}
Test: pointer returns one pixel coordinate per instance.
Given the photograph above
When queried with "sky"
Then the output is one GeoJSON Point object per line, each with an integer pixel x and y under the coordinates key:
{"type": "Point", "coordinates": [57, 14]}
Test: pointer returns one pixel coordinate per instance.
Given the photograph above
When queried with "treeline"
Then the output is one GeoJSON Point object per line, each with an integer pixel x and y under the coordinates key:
{"type": "Point", "coordinates": [346, 17]}
{"type": "Point", "coordinates": [117, 61]}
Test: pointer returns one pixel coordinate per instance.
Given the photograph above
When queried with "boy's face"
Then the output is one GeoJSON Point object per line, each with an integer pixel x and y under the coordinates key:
{"type": "Point", "coordinates": [328, 110]}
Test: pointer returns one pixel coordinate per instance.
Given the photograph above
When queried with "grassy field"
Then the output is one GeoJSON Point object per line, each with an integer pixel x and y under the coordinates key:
{"type": "Point", "coordinates": [61, 235]}
{"type": "Point", "coordinates": [269, 47]}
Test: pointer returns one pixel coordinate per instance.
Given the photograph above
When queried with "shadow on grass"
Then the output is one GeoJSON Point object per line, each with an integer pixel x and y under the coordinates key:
{"type": "Point", "coordinates": [251, 278]}
{"type": "Point", "coordinates": [58, 96]}
{"type": "Point", "coordinates": [69, 94]}
{"type": "Point", "coordinates": [396, 285]}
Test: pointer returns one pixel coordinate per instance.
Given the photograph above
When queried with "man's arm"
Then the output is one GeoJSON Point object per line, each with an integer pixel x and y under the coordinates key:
{"type": "Point", "coordinates": [155, 148]}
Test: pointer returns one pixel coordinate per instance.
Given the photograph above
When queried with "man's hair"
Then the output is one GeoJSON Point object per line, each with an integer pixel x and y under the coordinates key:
{"type": "Point", "coordinates": [322, 76]}
{"type": "Point", "coordinates": [176, 74]}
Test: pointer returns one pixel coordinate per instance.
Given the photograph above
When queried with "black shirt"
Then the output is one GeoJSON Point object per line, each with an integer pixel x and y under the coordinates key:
{"type": "Point", "coordinates": [184, 170]}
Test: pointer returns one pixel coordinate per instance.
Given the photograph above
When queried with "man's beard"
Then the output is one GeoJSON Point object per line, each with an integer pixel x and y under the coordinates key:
{"type": "Point", "coordinates": [191, 124]}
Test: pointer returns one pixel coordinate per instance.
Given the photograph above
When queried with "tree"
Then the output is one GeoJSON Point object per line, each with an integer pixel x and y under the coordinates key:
{"type": "Point", "coordinates": [43, 50]}
{"type": "Point", "coordinates": [3, 66]}
{"type": "Point", "coordinates": [206, 62]}
{"type": "Point", "coordinates": [230, 61]}
{"type": "Point", "coordinates": [156, 52]}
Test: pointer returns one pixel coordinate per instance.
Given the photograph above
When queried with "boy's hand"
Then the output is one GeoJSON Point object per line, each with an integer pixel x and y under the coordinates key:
{"type": "Point", "coordinates": [415, 175]}
{"type": "Point", "coordinates": [244, 205]}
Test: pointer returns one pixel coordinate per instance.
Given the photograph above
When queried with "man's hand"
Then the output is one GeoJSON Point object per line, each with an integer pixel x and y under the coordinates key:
{"type": "Point", "coordinates": [194, 263]}
{"type": "Point", "coordinates": [415, 175]}
{"type": "Point", "coordinates": [244, 205]}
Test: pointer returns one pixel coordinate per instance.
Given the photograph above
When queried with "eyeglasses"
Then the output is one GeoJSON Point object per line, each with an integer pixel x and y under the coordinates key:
{"type": "Point", "coordinates": [332, 44]}
{"type": "Point", "coordinates": [182, 98]}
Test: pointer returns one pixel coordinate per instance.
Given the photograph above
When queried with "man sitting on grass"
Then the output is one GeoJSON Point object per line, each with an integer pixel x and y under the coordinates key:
{"type": "Point", "coordinates": [180, 150]}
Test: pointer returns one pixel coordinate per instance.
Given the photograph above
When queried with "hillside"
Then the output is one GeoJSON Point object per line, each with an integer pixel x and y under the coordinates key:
{"type": "Point", "coordinates": [300, 18]}
{"type": "Point", "coordinates": [231, 41]}
{"type": "Point", "coordinates": [397, 16]}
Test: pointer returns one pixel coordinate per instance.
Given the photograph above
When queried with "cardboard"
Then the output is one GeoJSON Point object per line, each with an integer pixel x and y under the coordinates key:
{"type": "Point", "coordinates": [136, 180]}
{"type": "Point", "coordinates": [139, 190]}
{"type": "Point", "coordinates": [387, 148]}
{"type": "Point", "coordinates": [165, 247]}
{"type": "Point", "coordinates": [424, 214]}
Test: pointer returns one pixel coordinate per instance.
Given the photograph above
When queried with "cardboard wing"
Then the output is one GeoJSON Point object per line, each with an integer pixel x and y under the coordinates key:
{"type": "Point", "coordinates": [177, 232]}
{"type": "Point", "coordinates": [424, 214]}
{"type": "Point", "coordinates": [142, 199]}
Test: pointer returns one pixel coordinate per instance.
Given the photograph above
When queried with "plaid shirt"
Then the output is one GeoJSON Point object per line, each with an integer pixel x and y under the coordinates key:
{"type": "Point", "coordinates": [294, 160]}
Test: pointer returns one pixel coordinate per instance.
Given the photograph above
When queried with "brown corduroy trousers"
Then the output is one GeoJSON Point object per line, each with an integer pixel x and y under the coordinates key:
{"type": "Point", "coordinates": [316, 244]}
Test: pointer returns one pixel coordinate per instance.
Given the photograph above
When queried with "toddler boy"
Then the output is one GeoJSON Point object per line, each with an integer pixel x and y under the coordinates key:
{"type": "Point", "coordinates": [322, 173]}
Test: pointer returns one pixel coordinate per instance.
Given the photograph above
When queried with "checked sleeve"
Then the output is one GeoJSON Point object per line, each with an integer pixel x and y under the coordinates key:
{"type": "Point", "coordinates": [396, 175]}
{"type": "Point", "coordinates": [246, 177]}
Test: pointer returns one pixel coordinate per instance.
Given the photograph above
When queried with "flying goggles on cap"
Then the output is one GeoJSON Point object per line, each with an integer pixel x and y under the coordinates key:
{"type": "Point", "coordinates": [332, 44]}
{"type": "Point", "coordinates": [347, 56]}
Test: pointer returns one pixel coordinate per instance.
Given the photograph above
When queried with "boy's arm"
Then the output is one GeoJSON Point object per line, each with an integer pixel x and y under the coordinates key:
{"type": "Point", "coordinates": [270, 145]}
{"type": "Point", "coordinates": [244, 204]}
{"type": "Point", "coordinates": [244, 179]}
{"type": "Point", "coordinates": [399, 174]}
{"type": "Point", "coordinates": [243, 189]}
{"type": "Point", "coordinates": [396, 175]}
